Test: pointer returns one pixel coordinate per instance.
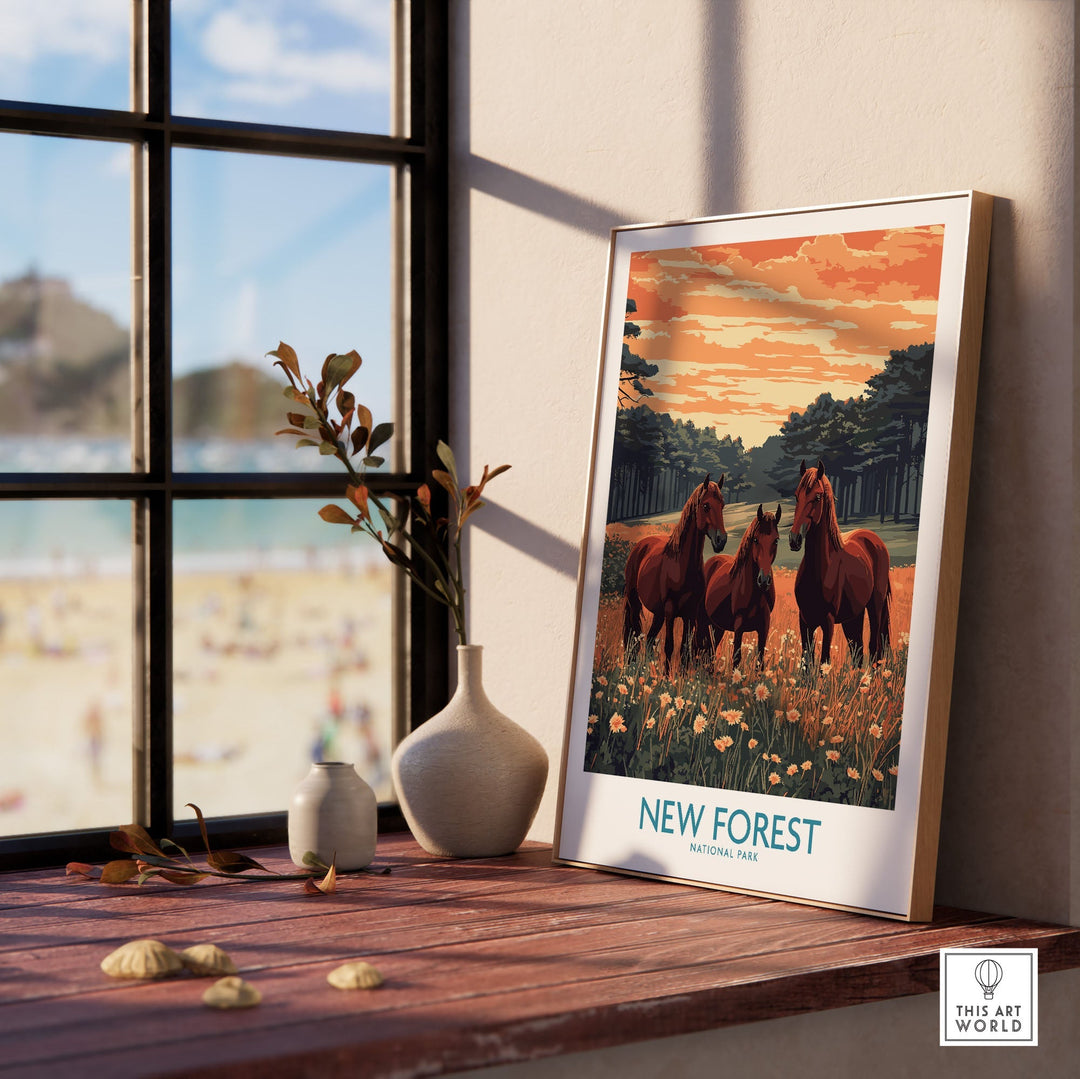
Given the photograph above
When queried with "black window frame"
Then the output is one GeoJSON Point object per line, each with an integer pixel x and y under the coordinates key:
{"type": "Point", "coordinates": [422, 156]}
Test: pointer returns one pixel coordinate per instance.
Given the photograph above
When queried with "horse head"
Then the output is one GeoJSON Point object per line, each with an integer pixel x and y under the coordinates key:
{"type": "Point", "coordinates": [809, 502]}
{"type": "Point", "coordinates": [766, 536]}
{"type": "Point", "coordinates": [710, 513]}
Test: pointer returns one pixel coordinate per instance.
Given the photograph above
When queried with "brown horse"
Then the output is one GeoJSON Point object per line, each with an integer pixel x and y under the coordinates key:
{"type": "Point", "coordinates": [740, 592]}
{"type": "Point", "coordinates": [664, 574]}
{"type": "Point", "coordinates": [842, 578]}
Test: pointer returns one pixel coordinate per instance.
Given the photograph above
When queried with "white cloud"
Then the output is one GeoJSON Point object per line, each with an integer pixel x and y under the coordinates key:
{"type": "Point", "coordinates": [276, 62]}
{"type": "Point", "coordinates": [99, 30]}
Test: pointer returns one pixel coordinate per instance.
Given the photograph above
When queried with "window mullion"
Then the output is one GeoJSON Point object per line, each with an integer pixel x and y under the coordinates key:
{"type": "Point", "coordinates": [154, 757]}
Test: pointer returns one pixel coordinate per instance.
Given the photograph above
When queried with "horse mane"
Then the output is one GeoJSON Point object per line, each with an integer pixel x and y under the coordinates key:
{"type": "Point", "coordinates": [671, 548]}
{"type": "Point", "coordinates": [832, 525]}
{"type": "Point", "coordinates": [742, 555]}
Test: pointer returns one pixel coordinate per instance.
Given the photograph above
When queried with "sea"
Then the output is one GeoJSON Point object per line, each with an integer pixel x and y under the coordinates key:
{"type": "Point", "coordinates": [58, 538]}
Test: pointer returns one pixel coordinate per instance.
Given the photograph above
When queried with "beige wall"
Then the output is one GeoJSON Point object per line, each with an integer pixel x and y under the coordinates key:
{"type": "Point", "coordinates": [571, 117]}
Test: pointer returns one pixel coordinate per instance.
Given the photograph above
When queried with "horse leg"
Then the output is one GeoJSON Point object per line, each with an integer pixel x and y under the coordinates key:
{"type": "Point", "coordinates": [653, 631]}
{"type": "Point", "coordinates": [669, 633]}
{"type": "Point", "coordinates": [763, 635]}
{"type": "Point", "coordinates": [697, 636]}
{"type": "Point", "coordinates": [631, 618]}
{"type": "Point", "coordinates": [736, 649]}
{"type": "Point", "coordinates": [826, 640]}
{"type": "Point", "coordinates": [853, 630]}
{"type": "Point", "coordinates": [806, 632]}
{"type": "Point", "coordinates": [879, 624]}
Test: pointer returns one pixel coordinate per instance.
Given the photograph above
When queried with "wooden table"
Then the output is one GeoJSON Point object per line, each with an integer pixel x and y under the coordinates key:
{"type": "Point", "coordinates": [486, 961]}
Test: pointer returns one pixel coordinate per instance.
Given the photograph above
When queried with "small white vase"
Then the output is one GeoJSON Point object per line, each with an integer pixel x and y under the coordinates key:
{"type": "Point", "coordinates": [333, 813]}
{"type": "Point", "coordinates": [469, 780]}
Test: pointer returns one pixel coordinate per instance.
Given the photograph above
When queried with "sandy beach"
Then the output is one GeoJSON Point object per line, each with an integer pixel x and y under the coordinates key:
{"type": "Point", "coordinates": [273, 668]}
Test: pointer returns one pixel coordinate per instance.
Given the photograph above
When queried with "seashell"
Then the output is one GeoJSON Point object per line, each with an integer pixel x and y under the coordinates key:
{"type": "Point", "coordinates": [207, 960]}
{"type": "Point", "coordinates": [142, 959]}
{"type": "Point", "coordinates": [231, 992]}
{"type": "Point", "coordinates": [355, 976]}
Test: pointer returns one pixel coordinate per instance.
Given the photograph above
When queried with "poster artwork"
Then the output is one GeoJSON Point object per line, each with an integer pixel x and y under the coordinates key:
{"type": "Point", "coordinates": [763, 511]}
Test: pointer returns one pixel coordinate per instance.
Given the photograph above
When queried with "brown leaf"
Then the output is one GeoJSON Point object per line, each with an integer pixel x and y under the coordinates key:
{"type": "Point", "coordinates": [363, 417]}
{"type": "Point", "coordinates": [79, 869]}
{"type": "Point", "coordinates": [470, 509]}
{"type": "Point", "coordinates": [359, 438]}
{"type": "Point", "coordinates": [397, 556]}
{"type": "Point", "coordinates": [337, 370]}
{"type": "Point", "coordinates": [134, 839]}
{"type": "Point", "coordinates": [335, 515]}
{"type": "Point", "coordinates": [287, 359]}
{"type": "Point", "coordinates": [231, 861]}
{"type": "Point", "coordinates": [202, 824]}
{"type": "Point", "coordinates": [423, 496]}
{"type": "Point", "coordinates": [119, 871]}
{"type": "Point", "coordinates": [325, 886]}
{"type": "Point", "coordinates": [182, 876]}
{"type": "Point", "coordinates": [358, 496]}
{"type": "Point", "coordinates": [443, 479]}
{"type": "Point", "coordinates": [291, 431]}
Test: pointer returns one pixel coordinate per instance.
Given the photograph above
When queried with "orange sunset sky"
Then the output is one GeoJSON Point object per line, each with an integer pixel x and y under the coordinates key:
{"type": "Point", "coordinates": [746, 333]}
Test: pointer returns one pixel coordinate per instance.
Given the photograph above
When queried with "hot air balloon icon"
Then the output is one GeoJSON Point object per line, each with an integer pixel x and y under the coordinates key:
{"type": "Point", "coordinates": [988, 975]}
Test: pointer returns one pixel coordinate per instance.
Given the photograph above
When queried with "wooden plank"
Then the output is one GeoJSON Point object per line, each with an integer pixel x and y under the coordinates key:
{"type": "Point", "coordinates": [485, 961]}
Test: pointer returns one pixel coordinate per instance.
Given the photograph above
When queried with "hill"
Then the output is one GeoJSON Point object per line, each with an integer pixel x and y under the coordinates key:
{"type": "Point", "coordinates": [64, 369]}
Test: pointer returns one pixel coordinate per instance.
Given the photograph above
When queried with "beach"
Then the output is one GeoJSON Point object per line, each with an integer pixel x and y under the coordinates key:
{"type": "Point", "coordinates": [274, 666]}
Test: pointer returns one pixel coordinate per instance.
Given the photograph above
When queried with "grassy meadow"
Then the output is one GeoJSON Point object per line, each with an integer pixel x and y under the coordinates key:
{"type": "Point", "coordinates": [773, 726]}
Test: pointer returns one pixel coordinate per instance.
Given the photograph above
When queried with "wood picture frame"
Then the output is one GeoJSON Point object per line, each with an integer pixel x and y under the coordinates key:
{"type": "Point", "coordinates": [802, 385]}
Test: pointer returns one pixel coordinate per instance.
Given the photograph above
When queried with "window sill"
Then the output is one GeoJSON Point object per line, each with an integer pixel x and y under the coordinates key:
{"type": "Point", "coordinates": [486, 962]}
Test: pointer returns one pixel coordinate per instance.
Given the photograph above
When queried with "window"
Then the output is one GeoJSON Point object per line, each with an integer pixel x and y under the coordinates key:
{"type": "Point", "coordinates": [181, 187]}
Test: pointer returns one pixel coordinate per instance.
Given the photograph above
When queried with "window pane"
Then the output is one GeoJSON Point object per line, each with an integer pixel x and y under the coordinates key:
{"type": "Point", "coordinates": [324, 65]}
{"type": "Point", "coordinates": [66, 52]}
{"type": "Point", "coordinates": [65, 303]}
{"type": "Point", "coordinates": [282, 653]}
{"type": "Point", "coordinates": [269, 249]}
{"type": "Point", "coordinates": [65, 665]}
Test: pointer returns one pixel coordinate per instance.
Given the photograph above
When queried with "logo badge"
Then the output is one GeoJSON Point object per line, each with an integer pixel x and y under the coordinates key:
{"type": "Point", "coordinates": [989, 996]}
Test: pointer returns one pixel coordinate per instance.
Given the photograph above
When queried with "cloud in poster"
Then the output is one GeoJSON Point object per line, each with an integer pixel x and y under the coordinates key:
{"type": "Point", "coordinates": [744, 334]}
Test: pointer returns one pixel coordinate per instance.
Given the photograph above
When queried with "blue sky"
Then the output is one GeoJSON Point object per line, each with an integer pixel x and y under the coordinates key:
{"type": "Point", "coordinates": [265, 248]}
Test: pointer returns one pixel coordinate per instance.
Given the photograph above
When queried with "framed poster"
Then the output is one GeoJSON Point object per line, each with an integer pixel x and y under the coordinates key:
{"type": "Point", "coordinates": [770, 570]}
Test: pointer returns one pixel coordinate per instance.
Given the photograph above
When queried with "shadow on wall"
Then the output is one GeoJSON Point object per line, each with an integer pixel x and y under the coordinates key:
{"type": "Point", "coordinates": [716, 195]}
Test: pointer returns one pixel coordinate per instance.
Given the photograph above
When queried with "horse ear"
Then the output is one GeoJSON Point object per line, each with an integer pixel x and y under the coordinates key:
{"type": "Point", "coordinates": [778, 514]}
{"type": "Point", "coordinates": [760, 515]}
{"type": "Point", "coordinates": [820, 468]}
{"type": "Point", "coordinates": [802, 466]}
{"type": "Point", "coordinates": [720, 481]}
{"type": "Point", "coordinates": [705, 482]}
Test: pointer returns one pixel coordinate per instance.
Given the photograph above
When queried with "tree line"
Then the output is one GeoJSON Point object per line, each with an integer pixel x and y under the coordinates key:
{"type": "Point", "coordinates": [873, 445]}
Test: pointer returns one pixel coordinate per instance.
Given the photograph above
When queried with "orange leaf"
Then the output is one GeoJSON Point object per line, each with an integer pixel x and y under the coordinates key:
{"type": "Point", "coordinates": [231, 861]}
{"type": "Point", "coordinates": [119, 871]}
{"type": "Point", "coordinates": [423, 496]}
{"type": "Point", "coordinates": [287, 359]}
{"type": "Point", "coordinates": [358, 496]}
{"type": "Point", "coordinates": [79, 869]}
{"type": "Point", "coordinates": [335, 515]}
{"type": "Point", "coordinates": [202, 824]}
{"type": "Point", "coordinates": [134, 839]}
{"type": "Point", "coordinates": [182, 877]}
{"type": "Point", "coordinates": [325, 886]}
{"type": "Point", "coordinates": [443, 480]}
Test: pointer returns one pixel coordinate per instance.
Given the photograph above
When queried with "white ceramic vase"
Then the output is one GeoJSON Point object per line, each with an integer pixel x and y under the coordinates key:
{"type": "Point", "coordinates": [333, 813]}
{"type": "Point", "coordinates": [469, 780]}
